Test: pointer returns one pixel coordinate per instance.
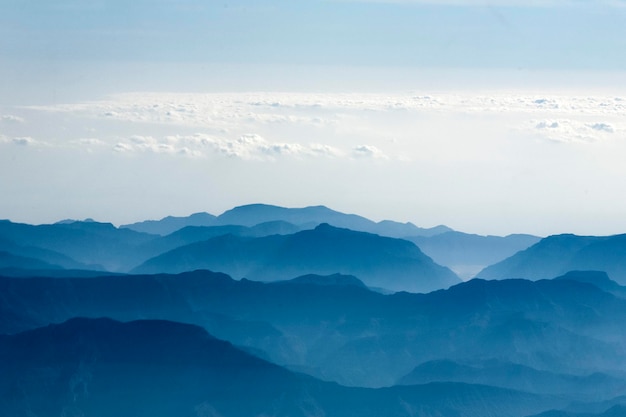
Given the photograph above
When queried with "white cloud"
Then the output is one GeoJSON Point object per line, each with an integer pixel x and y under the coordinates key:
{"type": "Point", "coordinates": [122, 147]}
{"type": "Point", "coordinates": [602, 127]}
{"type": "Point", "coordinates": [368, 151]}
{"type": "Point", "coordinates": [245, 147]}
{"type": "Point", "coordinates": [572, 131]}
{"type": "Point", "coordinates": [352, 125]}
{"type": "Point", "coordinates": [325, 150]}
{"type": "Point", "coordinates": [10, 118]}
{"type": "Point", "coordinates": [226, 111]}
{"type": "Point", "coordinates": [142, 140]}
{"type": "Point", "coordinates": [254, 146]}
{"type": "Point", "coordinates": [89, 142]}
{"type": "Point", "coordinates": [24, 141]}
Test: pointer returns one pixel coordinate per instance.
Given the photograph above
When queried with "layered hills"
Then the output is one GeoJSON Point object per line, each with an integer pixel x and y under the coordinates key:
{"type": "Point", "coordinates": [79, 245]}
{"type": "Point", "coordinates": [467, 254]}
{"type": "Point", "coordinates": [256, 241]}
{"type": "Point", "coordinates": [556, 255]}
{"type": "Point", "coordinates": [330, 328]}
{"type": "Point", "coordinates": [305, 218]}
{"type": "Point", "coordinates": [94, 246]}
{"type": "Point", "coordinates": [101, 367]}
{"type": "Point", "coordinates": [309, 312]}
{"type": "Point", "coordinates": [464, 253]}
{"type": "Point", "coordinates": [378, 261]}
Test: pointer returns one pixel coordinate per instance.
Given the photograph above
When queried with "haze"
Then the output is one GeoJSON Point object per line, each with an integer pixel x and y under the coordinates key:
{"type": "Point", "coordinates": [489, 117]}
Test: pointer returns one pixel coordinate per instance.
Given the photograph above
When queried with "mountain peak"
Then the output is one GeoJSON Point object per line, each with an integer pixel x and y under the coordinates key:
{"type": "Point", "coordinates": [330, 280]}
{"type": "Point", "coordinates": [326, 227]}
{"type": "Point", "coordinates": [598, 278]}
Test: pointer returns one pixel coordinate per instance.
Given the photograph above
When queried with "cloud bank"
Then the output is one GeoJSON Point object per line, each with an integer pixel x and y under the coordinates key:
{"type": "Point", "coordinates": [269, 126]}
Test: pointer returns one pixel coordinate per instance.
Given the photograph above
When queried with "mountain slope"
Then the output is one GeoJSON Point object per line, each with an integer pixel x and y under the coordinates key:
{"type": "Point", "coordinates": [615, 411]}
{"type": "Point", "coordinates": [170, 224]}
{"type": "Point", "coordinates": [599, 279]}
{"type": "Point", "coordinates": [308, 217]}
{"type": "Point", "coordinates": [99, 245]}
{"type": "Point", "coordinates": [330, 330]}
{"type": "Point", "coordinates": [45, 255]}
{"type": "Point", "coordinates": [467, 254]}
{"type": "Point", "coordinates": [378, 261]}
{"type": "Point", "coordinates": [100, 367]}
{"type": "Point", "coordinates": [556, 255]}
{"type": "Point", "coordinates": [515, 376]}
{"type": "Point", "coordinates": [10, 260]}
{"type": "Point", "coordinates": [193, 234]}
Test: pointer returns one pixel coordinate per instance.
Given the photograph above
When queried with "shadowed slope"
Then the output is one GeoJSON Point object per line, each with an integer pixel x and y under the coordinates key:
{"type": "Point", "coordinates": [556, 255]}
{"type": "Point", "coordinates": [102, 368]}
{"type": "Point", "coordinates": [328, 329]}
{"type": "Point", "coordinates": [389, 263]}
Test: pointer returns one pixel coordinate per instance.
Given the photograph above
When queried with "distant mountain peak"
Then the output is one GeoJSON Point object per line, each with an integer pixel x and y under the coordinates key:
{"type": "Point", "coordinates": [556, 255]}
{"type": "Point", "coordinates": [334, 279]}
{"type": "Point", "coordinates": [327, 227]}
{"type": "Point", "coordinates": [170, 224]}
{"type": "Point", "coordinates": [70, 221]}
{"type": "Point", "coordinates": [598, 278]}
{"type": "Point", "coordinates": [250, 215]}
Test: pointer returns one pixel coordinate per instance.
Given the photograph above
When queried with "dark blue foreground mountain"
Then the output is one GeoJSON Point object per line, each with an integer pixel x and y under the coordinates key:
{"type": "Point", "coordinates": [331, 327]}
{"type": "Point", "coordinates": [104, 368]}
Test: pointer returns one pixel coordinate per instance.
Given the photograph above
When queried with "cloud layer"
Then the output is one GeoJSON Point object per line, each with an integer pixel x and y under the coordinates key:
{"type": "Point", "coordinates": [445, 156]}
{"type": "Point", "coordinates": [573, 131]}
{"type": "Point", "coordinates": [267, 126]}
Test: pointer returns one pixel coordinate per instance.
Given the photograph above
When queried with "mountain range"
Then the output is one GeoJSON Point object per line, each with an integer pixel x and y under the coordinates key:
{"type": "Point", "coordinates": [101, 367]}
{"type": "Point", "coordinates": [90, 245]}
{"type": "Point", "coordinates": [307, 312]}
{"type": "Point", "coordinates": [305, 218]}
{"type": "Point", "coordinates": [556, 255]}
{"type": "Point", "coordinates": [330, 326]}
{"type": "Point", "coordinates": [467, 254]}
{"type": "Point", "coordinates": [389, 263]}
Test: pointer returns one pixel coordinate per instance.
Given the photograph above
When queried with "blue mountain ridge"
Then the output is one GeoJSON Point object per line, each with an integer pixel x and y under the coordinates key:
{"type": "Point", "coordinates": [101, 368]}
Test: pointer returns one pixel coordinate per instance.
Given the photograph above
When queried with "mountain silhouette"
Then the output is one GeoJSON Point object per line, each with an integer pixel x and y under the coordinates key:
{"type": "Point", "coordinates": [170, 224]}
{"type": "Point", "coordinates": [378, 261]}
{"type": "Point", "coordinates": [466, 254]}
{"type": "Point", "coordinates": [614, 411]}
{"type": "Point", "coordinates": [251, 215]}
{"type": "Point", "coordinates": [92, 244]}
{"type": "Point", "coordinates": [47, 256]}
{"type": "Point", "coordinates": [334, 279]}
{"type": "Point", "coordinates": [101, 367]}
{"type": "Point", "coordinates": [309, 217]}
{"type": "Point", "coordinates": [193, 234]}
{"type": "Point", "coordinates": [9, 261]}
{"type": "Point", "coordinates": [556, 255]}
{"type": "Point", "coordinates": [329, 330]}
{"type": "Point", "coordinates": [598, 278]}
{"type": "Point", "coordinates": [515, 376]}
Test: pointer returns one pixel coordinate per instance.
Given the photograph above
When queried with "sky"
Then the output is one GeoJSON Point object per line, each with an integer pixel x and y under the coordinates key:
{"type": "Point", "coordinates": [491, 117]}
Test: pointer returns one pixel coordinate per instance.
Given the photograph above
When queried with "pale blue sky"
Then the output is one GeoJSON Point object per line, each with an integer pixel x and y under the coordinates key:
{"type": "Point", "coordinates": [490, 117]}
{"type": "Point", "coordinates": [569, 34]}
